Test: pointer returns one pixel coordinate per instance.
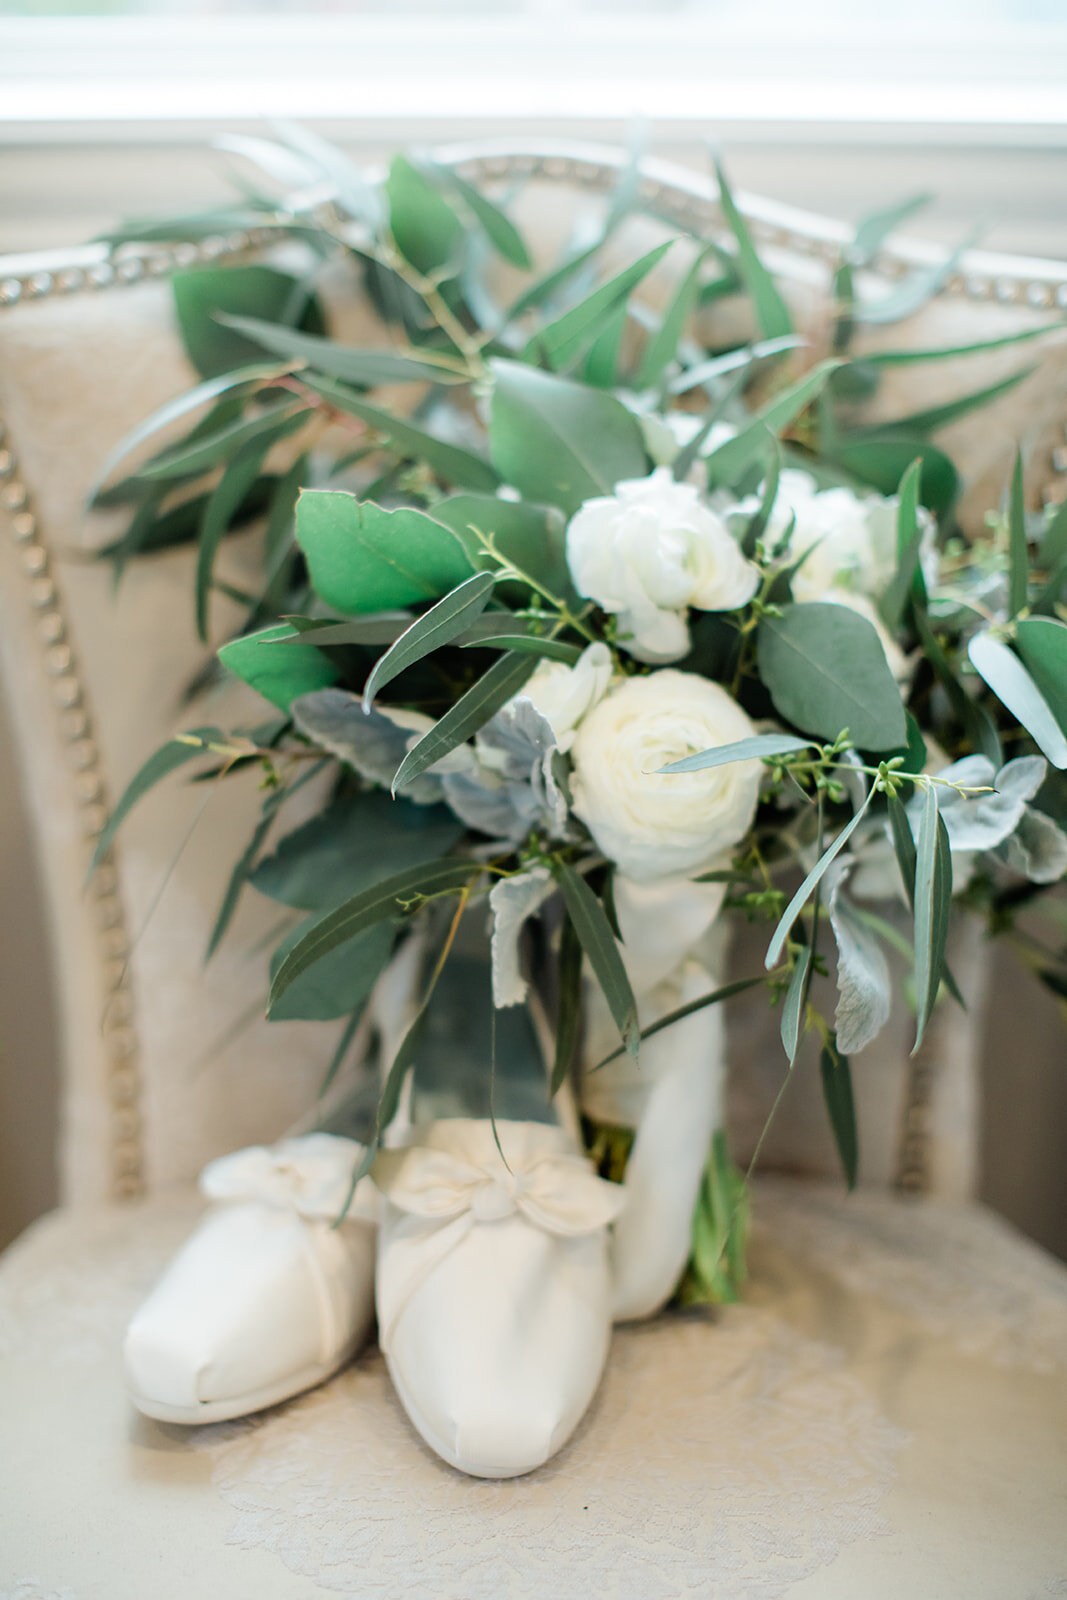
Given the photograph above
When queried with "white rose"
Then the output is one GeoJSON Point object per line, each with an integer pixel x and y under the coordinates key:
{"type": "Point", "coordinates": [647, 553]}
{"type": "Point", "coordinates": [564, 695]}
{"type": "Point", "coordinates": [849, 540]}
{"type": "Point", "coordinates": [652, 824]}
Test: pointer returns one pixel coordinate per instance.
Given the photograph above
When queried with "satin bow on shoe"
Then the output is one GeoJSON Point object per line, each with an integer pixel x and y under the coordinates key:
{"type": "Point", "coordinates": [267, 1297]}
{"type": "Point", "coordinates": [493, 1288]}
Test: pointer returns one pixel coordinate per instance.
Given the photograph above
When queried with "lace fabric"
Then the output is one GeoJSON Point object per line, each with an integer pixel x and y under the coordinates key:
{"type": "Point", "coordinates": [787, 1446]}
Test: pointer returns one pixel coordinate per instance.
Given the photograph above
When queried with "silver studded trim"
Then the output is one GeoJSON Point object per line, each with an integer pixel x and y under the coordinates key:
{"type": "Point", "coordinates": [75, 727]}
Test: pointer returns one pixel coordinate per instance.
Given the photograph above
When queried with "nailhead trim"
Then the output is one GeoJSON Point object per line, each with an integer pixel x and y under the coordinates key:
{"type": "Point", "coordinates": [83, 753]}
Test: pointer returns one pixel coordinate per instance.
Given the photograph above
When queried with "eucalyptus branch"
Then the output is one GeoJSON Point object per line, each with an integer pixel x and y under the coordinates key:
{"type": "Point", "coordinates": [428, 291]}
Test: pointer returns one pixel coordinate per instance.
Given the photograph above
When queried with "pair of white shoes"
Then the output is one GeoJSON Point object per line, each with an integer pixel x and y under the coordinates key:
{"type": "Point", "coordinates": [488, 1266]}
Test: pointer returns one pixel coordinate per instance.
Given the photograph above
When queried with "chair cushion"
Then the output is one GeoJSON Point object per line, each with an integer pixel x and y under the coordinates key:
{"type": "Point", "coordinates": [883, 1415]}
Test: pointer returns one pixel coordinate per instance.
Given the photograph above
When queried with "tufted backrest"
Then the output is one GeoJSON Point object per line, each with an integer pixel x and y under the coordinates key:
{"type": "Point", "coordinates": [167, 1062]}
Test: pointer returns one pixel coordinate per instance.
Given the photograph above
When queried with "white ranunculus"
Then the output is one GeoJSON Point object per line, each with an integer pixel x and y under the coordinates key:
{"type": "Point", "coordinates": [564, 695]}
{"type": "Point", "coordinates": [849, 539]}
{"type": "Point", "coordinates": [651, 824]}
{"type": "Point", "coordinates": [647, 553]}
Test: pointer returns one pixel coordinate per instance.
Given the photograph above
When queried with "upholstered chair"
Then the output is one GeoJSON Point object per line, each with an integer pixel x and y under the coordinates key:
{"type": "Point", "coordinates": [882, 1414]}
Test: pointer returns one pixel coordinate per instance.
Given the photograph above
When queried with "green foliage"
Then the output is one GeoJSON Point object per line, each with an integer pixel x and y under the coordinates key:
{"type": "Point", "coordinates": [364, 559]}
{"type": "Point", "coordinates": [386, 900]}
{"type": "Point", "coordinates": [826, 671]}
{"type": "Point", "coordinates": [837, 1093]}
{"type": "Point", "coordinates": [168, 758]}
{"type": "Point", "coordinates": [717, 1268]}
{"type": "Point", "coordinates": [933, 897]}
{"type": "Point", "coordinates": [280, 676]}
{"type": "Point", "coordinates": [439, 626]}
{"type": "Point", "coordinates": [1016, 689]}
{"type": "Point", "coordinates": [250, 291]}
{"type": "Point", "coordinates": [453, 463]}
{"type": "Point", "coordinates": [772, 314]}
{"type": "Point", "coordinates": [570, 335]}
{"type": "Point", "coordinates": [557, 441]}
{"type": "Point", "coordinates": [426, 229]}
{"type": "Point", "coordinates": [463, 719]}
{"type": "Point", "coordinates": [360, 837]}
{"type": "Point", "coordinates": [600, 945]}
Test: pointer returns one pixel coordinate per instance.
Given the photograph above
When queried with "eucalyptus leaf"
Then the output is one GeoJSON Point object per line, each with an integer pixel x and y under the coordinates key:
{"type": "Point", "coordinates": [436, 627]}
{"type": "Point", "coordinates": [881, 460]}
{"type": "Point", "coordinates": [280, 676]}
{"type": "Point", "coordinates": [562, 341]}
{"type": "Point", "coordinates": [864, 990]}
{"type": "Point", "coordinates": [340, 982]}
{"type": "Point", "coordinates": [601, 948]}
{"type": "Point", "coordinates": [1037, 848]}
{"type": "Point", "coordinates": [1042, 643]}
{"type": "Point", "coordinates": [356, 841]}
{"type": "Point", "coordinates": [450, 461]}
{"type": "Point", "coordinates": [716, 367]}
{"type": "Point", "coordinates": [204, 453]}
{"type": "Point", "coordinates": [909, 547]}
{"type": "Point", "coordinates": [167, 759]}
{"type": "Point", "coordinates": [730, 460]}
{"type": "Point", "coordinates": [933, 897]}
{"type": "Point", "coordinates": [372, 742]}
{"type": "Point", "coordinates": [762, 746]}
{"type": "Point", "coordinates": [531, 536]}
{"type": "Point", "coordinates": [545, 288]}
{"type": "Point", "coordinates": [913, 293]}
{"type": "Point", "coordinates": [228, 383]}
{"type": "Point", "coordinates": [391, 898]}
{"type": "Point", "coordinates": [826, 671]}
{"type": "Point", "coordinates": [530, 644]}
{"type": "Point", "coordinates": [462, 719]}
{"type": "Point", "coordinates": [875, 228]}
{"type": "Point", "coordinates": [369, 367]}
{"type": "Point", "coordinates": [426, 229]}
{"type": "Point", "coordinates": [569, 1003]}
{"type": "Point", "coordinates": [794, 1004]}
{"type": "Point", "coordinates": [771, 311]}
{"type": "Point", "coordinates": [714, 998]}
{"type": "Point", "coordinates": [662, 348]}
{"type": "Point", "coordinates": [807, 888]}
{"type": "Point", "coordinates": [559, 442]}
{"type": "Point", "coordinates": [241, 290]}
{"type": "Point", "coordinates": [935, 417]}
{"type": "Point", "coordinates": [902, 358]}
{"type": "Point", "coordinates": [1018, 549]}
{"type": "Point", "coordinates": [498, 228]}
{"type": "Point", "coordinates": [836, 1078]}
{"type": "Point", "coordinates": [1015, 688]}
{"type": "Point", "coordinates": [223, 505]}
{"type": "Point", "coordinates": [363, 559]}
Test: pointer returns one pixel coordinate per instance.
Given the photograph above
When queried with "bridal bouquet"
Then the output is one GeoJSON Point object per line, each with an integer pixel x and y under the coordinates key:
{"type": "Point", "coordinates": [599, 635]}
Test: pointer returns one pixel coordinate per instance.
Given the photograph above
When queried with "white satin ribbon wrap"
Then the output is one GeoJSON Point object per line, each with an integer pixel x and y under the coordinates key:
{"type": "Point", "coordinates": [267, 1295]}
{"type": "Point", "coordinates": [493, 1288]}
{"type": "Point", "coordinates": [673, 1095]}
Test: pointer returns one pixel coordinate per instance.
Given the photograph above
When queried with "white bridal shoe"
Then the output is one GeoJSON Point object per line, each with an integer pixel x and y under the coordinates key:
{"type": "Point", "coordinates": [494, 1292]}
{"type": "Point", "coordinates": [267, 1297]}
